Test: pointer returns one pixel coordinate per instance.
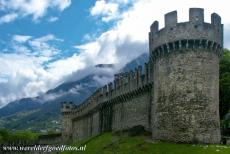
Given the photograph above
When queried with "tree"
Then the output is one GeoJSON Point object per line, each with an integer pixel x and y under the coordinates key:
{"type": "Point", "coordinates": [4, 135]}
{"type": "Point", "coordinates": [224, 83]}
{"type": "Point", "coordinates": [17, 137]}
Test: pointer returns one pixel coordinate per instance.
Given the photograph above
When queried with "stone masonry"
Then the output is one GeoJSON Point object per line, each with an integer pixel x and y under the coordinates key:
{"type": "Point", "coordinates": [175, 96]}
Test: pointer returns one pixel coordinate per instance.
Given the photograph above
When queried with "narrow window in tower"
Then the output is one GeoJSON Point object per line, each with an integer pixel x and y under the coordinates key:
{"type": "Point", "coordinates": [197, 43]}
{"type": "Point", "coordinates": [165, 48]}
{"type": "Point", "coordinates": [183, 43]}
{"type": "Point", "coordinates": [214, 46]}
{"type": "Point", "coordinates": [190, 44]}
{"type": "Point", "coordinates": [204, 43]}
{"type": "Point", "coordinates": [154, 54]}
{"type": "Point", "coordinates": [209, 44]}
{"type": "Point", "coordinates": [170, 46]}
{"type": "Point", "coordinates": [161, 50]}
{"type": "Point", "coordinates": [177, 45]}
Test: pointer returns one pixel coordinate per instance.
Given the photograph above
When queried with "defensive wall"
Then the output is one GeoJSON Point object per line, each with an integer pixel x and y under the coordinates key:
{"type": "Point", "coordinates": [175, 96]}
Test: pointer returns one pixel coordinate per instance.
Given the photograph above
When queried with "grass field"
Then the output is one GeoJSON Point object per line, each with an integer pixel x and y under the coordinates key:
{"type": "Point", "coordinates": [110, 143]}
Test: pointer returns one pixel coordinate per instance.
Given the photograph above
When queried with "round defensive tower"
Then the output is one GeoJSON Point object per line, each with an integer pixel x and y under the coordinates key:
{"type": "Point", "coordinates": [185, 62]}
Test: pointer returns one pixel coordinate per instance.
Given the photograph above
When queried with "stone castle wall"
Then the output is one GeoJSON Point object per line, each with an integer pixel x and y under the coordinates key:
{"type": "Point", "coordinates": [175, 96]}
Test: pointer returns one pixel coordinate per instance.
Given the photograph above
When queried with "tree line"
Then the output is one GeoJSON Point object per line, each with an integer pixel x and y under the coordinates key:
{"type": "Point", "coordinates": [18, 137]}
{"type": "Point", "coordinates": [224, 83]}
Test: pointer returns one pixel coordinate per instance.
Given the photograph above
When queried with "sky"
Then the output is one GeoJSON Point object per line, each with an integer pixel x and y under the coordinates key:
{"type": "Point", "coordinates": [48, 42]}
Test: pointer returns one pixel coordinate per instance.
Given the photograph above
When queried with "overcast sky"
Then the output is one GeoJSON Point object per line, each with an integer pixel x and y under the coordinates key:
{"type": "Point", "coordinates": [43, 43]}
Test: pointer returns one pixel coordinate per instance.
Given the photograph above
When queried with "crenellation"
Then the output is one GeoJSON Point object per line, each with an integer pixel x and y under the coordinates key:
{"type": "Point", "coordinates": [172, 97]}
{"type": "Point", "coordinates": [124, 83]}
{"type": "Point", "coordinates": [115, 83]}
{"type": "Point", "coordinates": [142, 80]}
{"type": "Point", "coordinates": [196, 15]}
{"type": "Point", "coordinates": [105, 90]}
{"type": "Point", "coordinates": [110, 87]}
{"type": "Point", "coordinates": [139, 74]}
{"type": "Point", "coordinates": [131, 74]}
{"type": "Point", "coordinates": [146, 72]}
{"type": "Point", "coordinates": [67, 106]}
{"type": "Point", "coordinates": [171, 19]}
{"type": "Point", "coordinates": [120, 90]}
{"type": "Point", "coordinates": [154, 27]}
{"type": "Point", "coordinates": [195, 28]}
{"type": "Point", "coordinates": [216, 19]}
{"type": "Point", "coordinates": [136, 78]}
{"type": "Point", "coordinates": [119, 84]}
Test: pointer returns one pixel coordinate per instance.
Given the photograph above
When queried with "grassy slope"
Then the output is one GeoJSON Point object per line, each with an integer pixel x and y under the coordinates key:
{"type": "Point", "coordinates": [109, 143]}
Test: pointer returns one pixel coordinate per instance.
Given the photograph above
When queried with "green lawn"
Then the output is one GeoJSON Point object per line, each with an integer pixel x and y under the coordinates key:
{"type": "Point", "coordinates": [109, 143]}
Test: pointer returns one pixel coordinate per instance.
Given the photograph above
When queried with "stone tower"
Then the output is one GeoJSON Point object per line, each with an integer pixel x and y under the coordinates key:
{"type": "Point", "coordinates": [66, 110]}
{"type": "Point", "coordinates": [185, 61]}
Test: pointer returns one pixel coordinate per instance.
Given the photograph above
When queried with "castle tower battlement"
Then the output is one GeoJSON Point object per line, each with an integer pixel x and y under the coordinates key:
{"type": "Point", "coordinates": [192, 34]}
{"type": "Point", "coordinates": [67, 107]}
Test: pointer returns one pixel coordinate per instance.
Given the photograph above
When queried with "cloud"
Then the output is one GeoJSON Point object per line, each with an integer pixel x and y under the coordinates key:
{"type": "Point", "coordinates": [98, 72]}
{"type": "Point", "coordinates": [108, 11]}
{"type": "Point", "coordinates": [24, 68]}
{"type": "Point", "coordinates": [8, 18]}
{"type": "Point", "coordinates": [21, 73]}
{"type": "Point", "coordinates": [227, 36]}
{"type": "Point", "coordinates": [48, 37]}
{"type": "Point", "coordinates": [34, 8]}
{"type": "Point", "coordinates": [66, 66]}
{"type": "Point", "coordinates": [41, 47]}
{"type": "Point", "coordinates": [61, 4]}
{"type": "Point", "coordinates": [53, 19]}
{"type": "Point", "coordinates": [21, 38]}
{"type": "Point", "coordinates": [123, 42]}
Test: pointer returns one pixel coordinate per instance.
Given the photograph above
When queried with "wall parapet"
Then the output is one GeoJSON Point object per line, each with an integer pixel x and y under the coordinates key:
{"type": "Point", "coordinates": [194, 28]}
{"type": "Point", "coordinates": [125, 85]}
{"type": "Point", "coordinates": [120, 99]}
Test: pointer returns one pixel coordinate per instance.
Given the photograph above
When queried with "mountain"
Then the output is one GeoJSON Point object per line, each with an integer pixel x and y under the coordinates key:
{"type": "Point", "coordinates": [42, 113]}
{"type": "Point", "coordinates": [25, 104]}
{"type": "Point", "coordinates": [141, 60]}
